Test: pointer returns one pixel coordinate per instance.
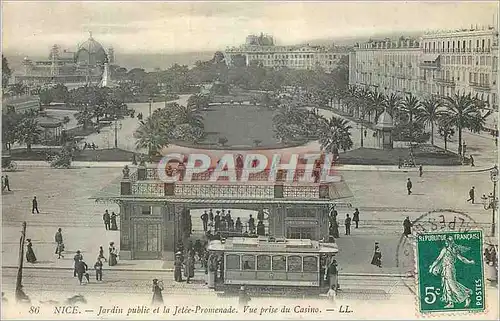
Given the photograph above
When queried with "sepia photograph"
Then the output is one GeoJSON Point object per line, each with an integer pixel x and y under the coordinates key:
{"type": "Point", "coordinates": [249, 160]}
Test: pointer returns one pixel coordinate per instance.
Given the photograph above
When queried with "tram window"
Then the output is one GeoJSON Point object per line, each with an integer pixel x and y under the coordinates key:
{"type": "Point", "coordinates": [248, 262]}
{"type": "Point", "coordinates": [279, 263]}
{"type": "Point", "coordinates": [301, 212]}
{"type": "Point", "coordinates": [294, 264]}
{"type": "Point", "coordinates": [233, 262]}
{"type": "Point", "coordinates": [263, 263]}
{"type": "Point", "coordinates": [310, 264]}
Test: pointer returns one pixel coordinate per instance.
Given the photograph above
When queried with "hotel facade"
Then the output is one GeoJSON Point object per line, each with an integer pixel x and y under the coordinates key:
{"type": "Point", "coordinates": [262, 49]}
{"type": "Point", "coordinates": [440, 63]}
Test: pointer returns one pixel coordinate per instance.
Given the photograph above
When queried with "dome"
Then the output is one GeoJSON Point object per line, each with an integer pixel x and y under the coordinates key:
{"type": "Point", "coordinates": [385, 121]}
{"type": "Point", "coordinates": [91, 52]}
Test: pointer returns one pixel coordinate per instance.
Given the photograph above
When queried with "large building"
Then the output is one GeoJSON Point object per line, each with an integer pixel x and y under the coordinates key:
{"type": "Point", "coordinates": [439, 63]}
{"type": "Point", "coordinates": [85, 65]}
{"type": "Point", "coordinates": [262, 49]}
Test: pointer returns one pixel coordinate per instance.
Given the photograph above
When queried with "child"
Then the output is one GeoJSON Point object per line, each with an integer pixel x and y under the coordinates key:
{"type": "Point", "coordinates": [101, 254]}
{"type": "Point", "coordinates": [98, 269]}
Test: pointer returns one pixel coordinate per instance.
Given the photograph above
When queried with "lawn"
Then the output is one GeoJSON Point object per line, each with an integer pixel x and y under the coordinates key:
{"type": "Point", "coordinates": [424, 155]}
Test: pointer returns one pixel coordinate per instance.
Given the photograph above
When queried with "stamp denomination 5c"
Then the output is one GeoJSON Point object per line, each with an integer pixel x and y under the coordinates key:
{"type": "Point", "coordinates": [450, 271]}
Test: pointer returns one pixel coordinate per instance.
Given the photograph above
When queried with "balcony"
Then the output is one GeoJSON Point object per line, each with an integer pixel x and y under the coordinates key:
{"type": "Point", "coordinates": [480, 86]}
{"type": "Point", "coordinates": [446, 82]}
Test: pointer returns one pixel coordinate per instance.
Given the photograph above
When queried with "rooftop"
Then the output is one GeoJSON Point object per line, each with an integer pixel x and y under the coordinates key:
{"type": "Point", "coordinates": [268, 244]}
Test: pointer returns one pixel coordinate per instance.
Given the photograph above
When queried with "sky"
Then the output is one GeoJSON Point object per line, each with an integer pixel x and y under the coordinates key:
{"type": "Point", "coordinates": [166, 27]}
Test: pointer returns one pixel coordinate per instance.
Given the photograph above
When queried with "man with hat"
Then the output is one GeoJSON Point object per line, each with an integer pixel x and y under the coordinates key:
{"type": "Point", "coordinates": [77, 258]}
{"type": "Point", "coordinates": [178, 267]}
{"type": "Point", "coordinates": [81, 270]}
{"type": "Point", "coordinates": [333, 274]}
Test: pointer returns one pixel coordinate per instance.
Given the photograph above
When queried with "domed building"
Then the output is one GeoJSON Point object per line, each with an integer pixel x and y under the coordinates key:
{"type": "Point", "coordinates": [91, 53]}
{"type": "Point", "coordinates": [85, 65]}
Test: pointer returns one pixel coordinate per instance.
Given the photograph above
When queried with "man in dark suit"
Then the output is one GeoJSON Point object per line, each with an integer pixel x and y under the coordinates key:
{"type": "Point", "coordinates": [204, 219]}
{"type": "Point", "coordinates": [35, 206]}
{"type": "Point", "coordinates": [107, 219]}
{"type": "Point", "coordinates": [409, 185]}
{"type": "Point", "coordinates": [81, 270]}
{"type": "Point", "coordinates": [347, 225]}
{"type": "Point", "coordinates": [77, 258]}
{"type": "Point", "coordinates": [59, 240]}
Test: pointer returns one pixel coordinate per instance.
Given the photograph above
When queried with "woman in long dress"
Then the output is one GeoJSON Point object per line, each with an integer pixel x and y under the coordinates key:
{"type": "Point", "coordinates": [189, 267]}
{"type": "Point", "coordinates": [30, 255]}
{"type": "Point", "coordinates": [444, 265]}
{"type": "Point", "coordinates": [112, 254]}
{"type": "Point", "coordinates": [157, 296]}
{"type": "Point", "coordinates": [377, 256]}
{"type": "Point", "coordinates": [114, 226]}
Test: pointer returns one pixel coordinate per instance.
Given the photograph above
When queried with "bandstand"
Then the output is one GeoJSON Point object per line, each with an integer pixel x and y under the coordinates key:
{"type": "Point", "coordinates": [153, 213]}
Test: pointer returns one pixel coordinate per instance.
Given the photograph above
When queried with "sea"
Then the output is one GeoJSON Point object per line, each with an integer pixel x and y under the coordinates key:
{"type": "Point", "coordinates": [146, 61]}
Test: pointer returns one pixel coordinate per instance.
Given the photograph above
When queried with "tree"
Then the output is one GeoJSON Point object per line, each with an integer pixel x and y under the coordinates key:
{"type": "Point", "coordinates": [10, 124]}
{"type": "Point", "coordinates": [428, 113]}
{"type": "Point", "coordinates": [45, 96]}
{"type": "Point", "coordinates": [84, 116]}
{"type": "Point", "coordinates": [155, 132]}
{"type": "Point", "coordinates": [409, 106]}
{"type": "Point", "coordinates": [222, 141]}
{"type": "Point", "coordinates": [335, 135]}
{"type": "Point", "coordinates": [462, 112]}
{"type": "Point", "coordinates": [185, 115]}
{"type": "Point", "coordinates": [375, 105]}
{"type": "Point", "coordinates": [28, 131]}
{"type": "Point", "coordinates": [198, 102]}
{"type": "Point", "coordinates": [445, 130]}
{"type": "Point", "coordinates": [187, 132]}
{"type": "Point", "coordinates": [392, 104]}
{"type": "Point", "coordinates": [6, 72]}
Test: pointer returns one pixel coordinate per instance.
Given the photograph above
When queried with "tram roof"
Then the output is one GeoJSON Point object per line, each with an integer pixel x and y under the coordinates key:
{"type": "Point", "coordinates": [266, 244]}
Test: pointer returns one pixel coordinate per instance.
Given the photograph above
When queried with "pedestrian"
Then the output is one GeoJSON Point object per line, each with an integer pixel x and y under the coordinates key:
{"type": "Point", "coordinates": [400, 162]}
{"type": "Point", "coordinates": [335, 229]}
{"type": "Point", "coordinates": [81, 271]}
{"type": "Point", "coordinates": [30, 255]}
{"type": "Point", "coordinates": [407, 224]}
{"type": "Point", "coordinates": [34, 206]}
{"type": "Point", "coordinates": [114, 227]}
{"type": "Point", "coordinates": [332, 294]}
{"type": "Point", "coordinates": [98, 269]}
{"type": "Point", "coordinates": [6, 183]}
{"type": "Point", "coordinates": [420, 171]}
{"type": "Point", "coordinates": [333, 213]}
{"type": "Point", "coordinates": [333, 274]}
{"type": "Point", "coordinates": [261, 229]}
{"type": "Point", "coordinates": [347, 223]}
{"type": "Point", "coordinates": [107, 219]}
{"type": "Point", "coordinates": [77, 258]}
{"type": "Point", "coordinates": [464, 148]}
{"type": "Point", "coordinates": [211, 215]}
{"type": "Point", "coordinates": [409, 185]}
{"type": "Point", "coordinates": [157, 296]}
{"type": "Point", "coordinates": [59, 241]}
{"type": "Point", "coordinates": [204, 219]}
{"type": "Point", "coordinates": [355, 217]}
{"type": "Point", "coordinates": [217, 221]}
{"type": "Point", "coordinates": [471, 195]}
{"type": "Point", "coordinates": [471, 162]}
{"type": "Point", "coordinates": [101, 254]}
{"type": "Point", "coordinates": [238, 225]}
{"type": "Point", "coordinates": [377, 256]}
{"type": "Point", "coordinates": [189, 267]}
{"type": "Point", "coordinates": [113, 254]}
{"type": "Point", "coordinates": [251, 224]}
{"type": "Point", "coordinates": [178, 267]}
{"type": "Point", "coordinates": [243, 297]}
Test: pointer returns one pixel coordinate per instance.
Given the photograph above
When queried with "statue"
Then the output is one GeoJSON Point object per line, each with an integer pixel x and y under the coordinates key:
{"type": "Point", "coordinates": [126, 172]}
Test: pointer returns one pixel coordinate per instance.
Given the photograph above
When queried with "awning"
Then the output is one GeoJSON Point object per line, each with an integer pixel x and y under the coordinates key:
{"type": "Point", "coordinates": [430, 57]}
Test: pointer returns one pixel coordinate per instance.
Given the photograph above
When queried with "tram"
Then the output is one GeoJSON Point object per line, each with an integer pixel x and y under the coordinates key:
{"type": "Point", "coordinates": [267, 265]}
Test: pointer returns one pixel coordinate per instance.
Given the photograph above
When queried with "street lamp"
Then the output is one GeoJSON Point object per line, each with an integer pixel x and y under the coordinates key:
{"type": "Point", "coordinates": [494, 179]}
{"type": "Point", "coordinates": [116, 131]}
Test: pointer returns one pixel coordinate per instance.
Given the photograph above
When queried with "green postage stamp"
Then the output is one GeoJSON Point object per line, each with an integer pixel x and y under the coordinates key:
{"type": "Point", "coordinates": [450, 271]}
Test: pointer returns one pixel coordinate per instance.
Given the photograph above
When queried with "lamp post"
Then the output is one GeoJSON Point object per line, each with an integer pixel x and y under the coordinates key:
{"type": "Point", "coordinates": [494, 179]}
{"type": "Point", "coordinates": [19, 285]}
{"type": "Point", "coordinates": [116, 131]}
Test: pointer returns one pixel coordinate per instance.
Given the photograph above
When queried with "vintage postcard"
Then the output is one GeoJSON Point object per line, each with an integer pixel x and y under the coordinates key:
{"type": "Point", "coordinates": [249, 160]}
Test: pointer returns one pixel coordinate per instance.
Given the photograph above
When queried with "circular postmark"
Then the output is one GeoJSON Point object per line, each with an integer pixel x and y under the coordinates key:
{"type": "Point", "coordinates": [442, 220]}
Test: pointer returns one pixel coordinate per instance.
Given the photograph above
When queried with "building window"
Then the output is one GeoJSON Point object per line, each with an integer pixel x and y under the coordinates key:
{"type": "Point", "coordinates": [233, 262]}
{"type": "Point", "coordinates": [463, 46]}
{"type": "Point", "coordinates": [264, 263]}
{"type": "Point", "coordinates": [301, 212]}
{"type": "Point", "coordinates": [279, 263]}
{"type": "Point", "coordinates": [248, 262]}
{"type": "Point", "coordinates": [294, 264]}
{"type": "Point", "coordinates": [146, 210]}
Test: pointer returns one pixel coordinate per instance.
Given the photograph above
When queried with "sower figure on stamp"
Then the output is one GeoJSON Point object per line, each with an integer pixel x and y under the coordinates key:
{"type": "Point", "coordinates": [471, 195]}
{"type": "Point", "coordinates": [157, 296]}
{"type": "Point", "coordinates": [377, 256]}
{"type": "Point", "coordinates": [452, 291]}
{"type": "Point", "coordinates": [407, 224]}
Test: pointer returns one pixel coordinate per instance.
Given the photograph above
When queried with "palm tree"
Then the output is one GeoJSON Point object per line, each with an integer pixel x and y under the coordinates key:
{"type": "Point", "coordinates": [185, 115]}
{"type": "Point", "coordinates": [198, 102]}
{"type": "Point", "coordinates": [462, 112]}
{"type": "Point", "coordinates": [392, 104]}
{"type": "Point", "coordinates": [428, 113]}
{"type": "Point", "coordinates": [375, 104]}
{"type": "Point", "coordinates": [410, 105]}
{"type": "Point", "coordinates": [155, 133]}
{"type": "Point", "coordinates": [335, 135]}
